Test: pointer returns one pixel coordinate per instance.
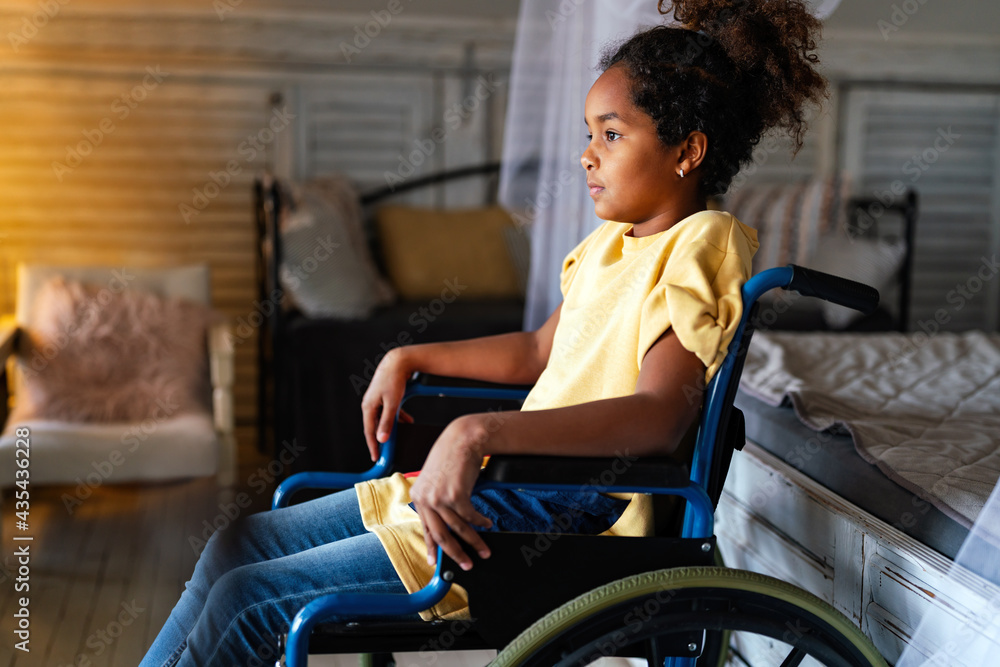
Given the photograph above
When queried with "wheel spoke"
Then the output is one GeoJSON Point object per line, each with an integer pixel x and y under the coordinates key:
{"type": "Point", "coordinates": [794, 658]}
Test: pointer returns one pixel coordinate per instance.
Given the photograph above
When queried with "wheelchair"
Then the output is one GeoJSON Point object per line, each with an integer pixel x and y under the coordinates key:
{"type": "Point", "coordinates": [665, 598]}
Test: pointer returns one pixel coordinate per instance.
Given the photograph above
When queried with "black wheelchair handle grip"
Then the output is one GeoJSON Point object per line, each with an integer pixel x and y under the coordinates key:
{"type": "Point", "coordinates": [844, 292]}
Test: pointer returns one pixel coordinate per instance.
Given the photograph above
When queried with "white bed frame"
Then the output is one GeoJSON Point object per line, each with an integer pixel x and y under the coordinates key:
{"type": "Point", "coordinates": [774, 520]}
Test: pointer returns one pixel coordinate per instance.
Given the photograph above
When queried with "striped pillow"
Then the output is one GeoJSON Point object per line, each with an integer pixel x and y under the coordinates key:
{"type": "Point", "coordinates": [791, 218]}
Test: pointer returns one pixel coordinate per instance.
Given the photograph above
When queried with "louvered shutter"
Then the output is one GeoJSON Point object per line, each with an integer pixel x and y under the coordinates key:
{"type": "Point", "coordinates": [364, 127]}
{"type": "Point", "coordinates": [944, 144]}
{"type": "Point", "coordinates": [385, 129]}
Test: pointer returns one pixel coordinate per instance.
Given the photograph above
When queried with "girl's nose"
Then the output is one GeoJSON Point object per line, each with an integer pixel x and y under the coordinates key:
{"type": "Point", "coordinates": [587, 159]}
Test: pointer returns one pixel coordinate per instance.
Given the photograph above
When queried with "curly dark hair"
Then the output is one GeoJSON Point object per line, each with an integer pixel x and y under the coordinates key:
{"type": "Point", "coordinates": [739, 68]}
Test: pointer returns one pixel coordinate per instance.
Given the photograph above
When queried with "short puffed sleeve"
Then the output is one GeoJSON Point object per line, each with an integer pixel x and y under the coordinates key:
{"type": "Point", "coordinates": [572, 261]}
{"type": "Point", "coordinates": [698, 296]}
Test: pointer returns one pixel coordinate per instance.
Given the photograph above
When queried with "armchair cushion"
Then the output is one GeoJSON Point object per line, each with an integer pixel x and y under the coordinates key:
{"type": "Point", "coordinates": [94, 355]}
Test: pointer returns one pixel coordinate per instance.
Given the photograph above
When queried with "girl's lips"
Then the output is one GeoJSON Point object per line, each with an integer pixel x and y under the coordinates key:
{"type": "Point", "coordinates": [594, 189]}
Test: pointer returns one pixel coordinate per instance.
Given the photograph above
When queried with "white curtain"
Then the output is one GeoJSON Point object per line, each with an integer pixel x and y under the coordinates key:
{"type": "Point", "coordinates": [556, 51]}
{"type": "Point", "coordinates": [969, 642]}
{"type": "Point", "coordinates": [557, 47]}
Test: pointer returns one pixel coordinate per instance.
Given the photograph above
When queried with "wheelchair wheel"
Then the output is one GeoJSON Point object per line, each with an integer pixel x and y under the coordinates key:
{"type": "Point", "coordinates": [687, 612]}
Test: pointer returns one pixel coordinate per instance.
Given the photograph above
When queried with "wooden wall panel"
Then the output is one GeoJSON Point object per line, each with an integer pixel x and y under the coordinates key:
{"type": "Point", "coordinates": [88, 180]}
{"type": "Point", "coordinates": [209, 84]}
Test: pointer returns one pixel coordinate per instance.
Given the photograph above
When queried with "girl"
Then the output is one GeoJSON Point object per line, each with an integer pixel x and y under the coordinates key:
{"type": "Point", "coordinates": [651, 301]}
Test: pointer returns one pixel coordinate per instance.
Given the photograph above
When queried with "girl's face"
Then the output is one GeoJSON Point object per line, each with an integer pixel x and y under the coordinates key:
{"type": "Point", "coordinates": [630, 173]}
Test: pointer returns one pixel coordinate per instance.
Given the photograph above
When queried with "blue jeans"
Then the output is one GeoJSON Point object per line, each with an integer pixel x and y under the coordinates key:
{"type": "Point", "coordinates": [254, 576]}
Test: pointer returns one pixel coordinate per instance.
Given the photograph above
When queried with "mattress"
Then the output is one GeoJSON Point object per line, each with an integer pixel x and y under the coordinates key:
{"type": "Point", "coordinates": [832, 460]}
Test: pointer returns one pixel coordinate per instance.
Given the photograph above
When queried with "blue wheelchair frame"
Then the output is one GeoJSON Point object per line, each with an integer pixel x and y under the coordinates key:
{"type": "Point", "coordinates": [699, 512]}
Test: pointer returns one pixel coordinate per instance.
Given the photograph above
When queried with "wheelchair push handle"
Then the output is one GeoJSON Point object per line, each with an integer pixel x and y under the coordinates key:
{"type": "Point", "coordinates": [841, 291]}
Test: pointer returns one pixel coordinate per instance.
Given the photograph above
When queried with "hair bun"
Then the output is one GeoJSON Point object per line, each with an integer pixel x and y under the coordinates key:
{"type": "Point", "coordinates": [771, 43]}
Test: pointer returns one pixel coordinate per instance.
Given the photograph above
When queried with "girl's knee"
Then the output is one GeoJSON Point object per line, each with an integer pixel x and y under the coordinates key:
{"type": "Point", "coordinates": [234, 591]}
{"type": "Point", "coordinates": [230, 545]}
{"type": "Point", "coordinates": [219, 555]}
{"type": "Point", "coordinates": [241, 613]}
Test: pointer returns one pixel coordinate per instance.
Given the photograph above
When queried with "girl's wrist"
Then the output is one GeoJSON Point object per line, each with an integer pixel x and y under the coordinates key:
{"type": "Point", "coordinates": [473, 436]}
{"type": "Point", "coordinates": [401, 359]}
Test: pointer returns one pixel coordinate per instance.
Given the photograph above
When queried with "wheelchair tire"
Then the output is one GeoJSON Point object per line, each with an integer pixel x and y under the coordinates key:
{"type": "Point", "coordinates": [657, 605]}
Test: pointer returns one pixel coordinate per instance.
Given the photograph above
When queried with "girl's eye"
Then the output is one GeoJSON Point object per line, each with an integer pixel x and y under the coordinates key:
{"type": "Point", "coordinates": [612, 136]}
{"type": "Point", "coordinates": [590, 137]}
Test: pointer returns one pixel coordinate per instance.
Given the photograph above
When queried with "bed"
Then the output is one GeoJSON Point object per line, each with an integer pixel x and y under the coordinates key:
{"type": "Point", "coordinates": [857, 486]}
{"type": "Point", "coordinates": [314, 367]}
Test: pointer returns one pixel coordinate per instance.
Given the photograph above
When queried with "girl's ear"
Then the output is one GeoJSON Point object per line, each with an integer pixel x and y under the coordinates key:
{"type": "Point", "coordinates": [692, 151]}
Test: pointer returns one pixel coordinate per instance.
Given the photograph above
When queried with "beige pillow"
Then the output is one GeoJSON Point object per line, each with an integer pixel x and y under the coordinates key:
{"type": "Point", "coordinates": [96, 356]}
{"type": "Point", "coordinates": [424, 248]}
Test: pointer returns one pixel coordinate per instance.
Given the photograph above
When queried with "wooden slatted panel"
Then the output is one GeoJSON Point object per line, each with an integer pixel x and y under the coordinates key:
{"type": "Point", "coordinates": [121, 202]}
{"type": "Point", "coordinates": [947, 146]}
{"type": "Point", "coordinates": [272, 33]}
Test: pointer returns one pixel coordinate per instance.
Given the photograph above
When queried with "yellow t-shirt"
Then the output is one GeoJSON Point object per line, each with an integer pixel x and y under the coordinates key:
{"type": "Point", "coordinates": [621, 294]}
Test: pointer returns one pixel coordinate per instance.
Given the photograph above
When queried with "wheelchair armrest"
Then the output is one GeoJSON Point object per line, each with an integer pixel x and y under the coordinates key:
{"type": "Point", "coordinates": [421, 384]}
{"type": "Point", "coordinates": [596, 472]}
{"type": "Point", "coordinates": [425, 384]}
{"type": "Point", "coordinates": [222, 372]}
{"type": "Point", "coordinates": [320, 480]}
{"type": "Point", "coordinates": [445, 381]}
{"type": "Point", "coordinates": [9, 332]}
{"type": "Point", "coordinates": [624, 474]}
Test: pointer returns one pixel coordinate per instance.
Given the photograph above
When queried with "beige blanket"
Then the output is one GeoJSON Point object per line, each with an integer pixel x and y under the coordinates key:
{"type": "Point", "coordinates": [925, 410]}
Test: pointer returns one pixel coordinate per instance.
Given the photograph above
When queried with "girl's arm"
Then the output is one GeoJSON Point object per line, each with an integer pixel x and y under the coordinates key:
{"type": "Point", "coordinates": [514, 358]}
{"type": "Point", "coordinates": [652, 421]}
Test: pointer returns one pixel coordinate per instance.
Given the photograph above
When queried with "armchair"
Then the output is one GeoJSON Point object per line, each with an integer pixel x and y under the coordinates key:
{"type": "Point", "coordinates": [187, 444]}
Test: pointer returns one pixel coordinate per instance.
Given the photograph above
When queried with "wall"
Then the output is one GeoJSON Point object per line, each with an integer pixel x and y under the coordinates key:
{"type": "Point", "coordinates": [133, 136]}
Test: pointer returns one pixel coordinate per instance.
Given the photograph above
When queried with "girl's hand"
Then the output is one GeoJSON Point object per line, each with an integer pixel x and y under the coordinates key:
{"type": "Point", "coordinates": [382, 399]}
{"type": "Point", "coordinates": [443, 491]}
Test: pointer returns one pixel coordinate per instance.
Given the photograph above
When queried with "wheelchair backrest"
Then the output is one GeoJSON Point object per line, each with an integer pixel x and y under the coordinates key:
{"type": "Point", "coordinates": [721, 427]}
{"type": "Point", "coordinates": [732, 433]}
